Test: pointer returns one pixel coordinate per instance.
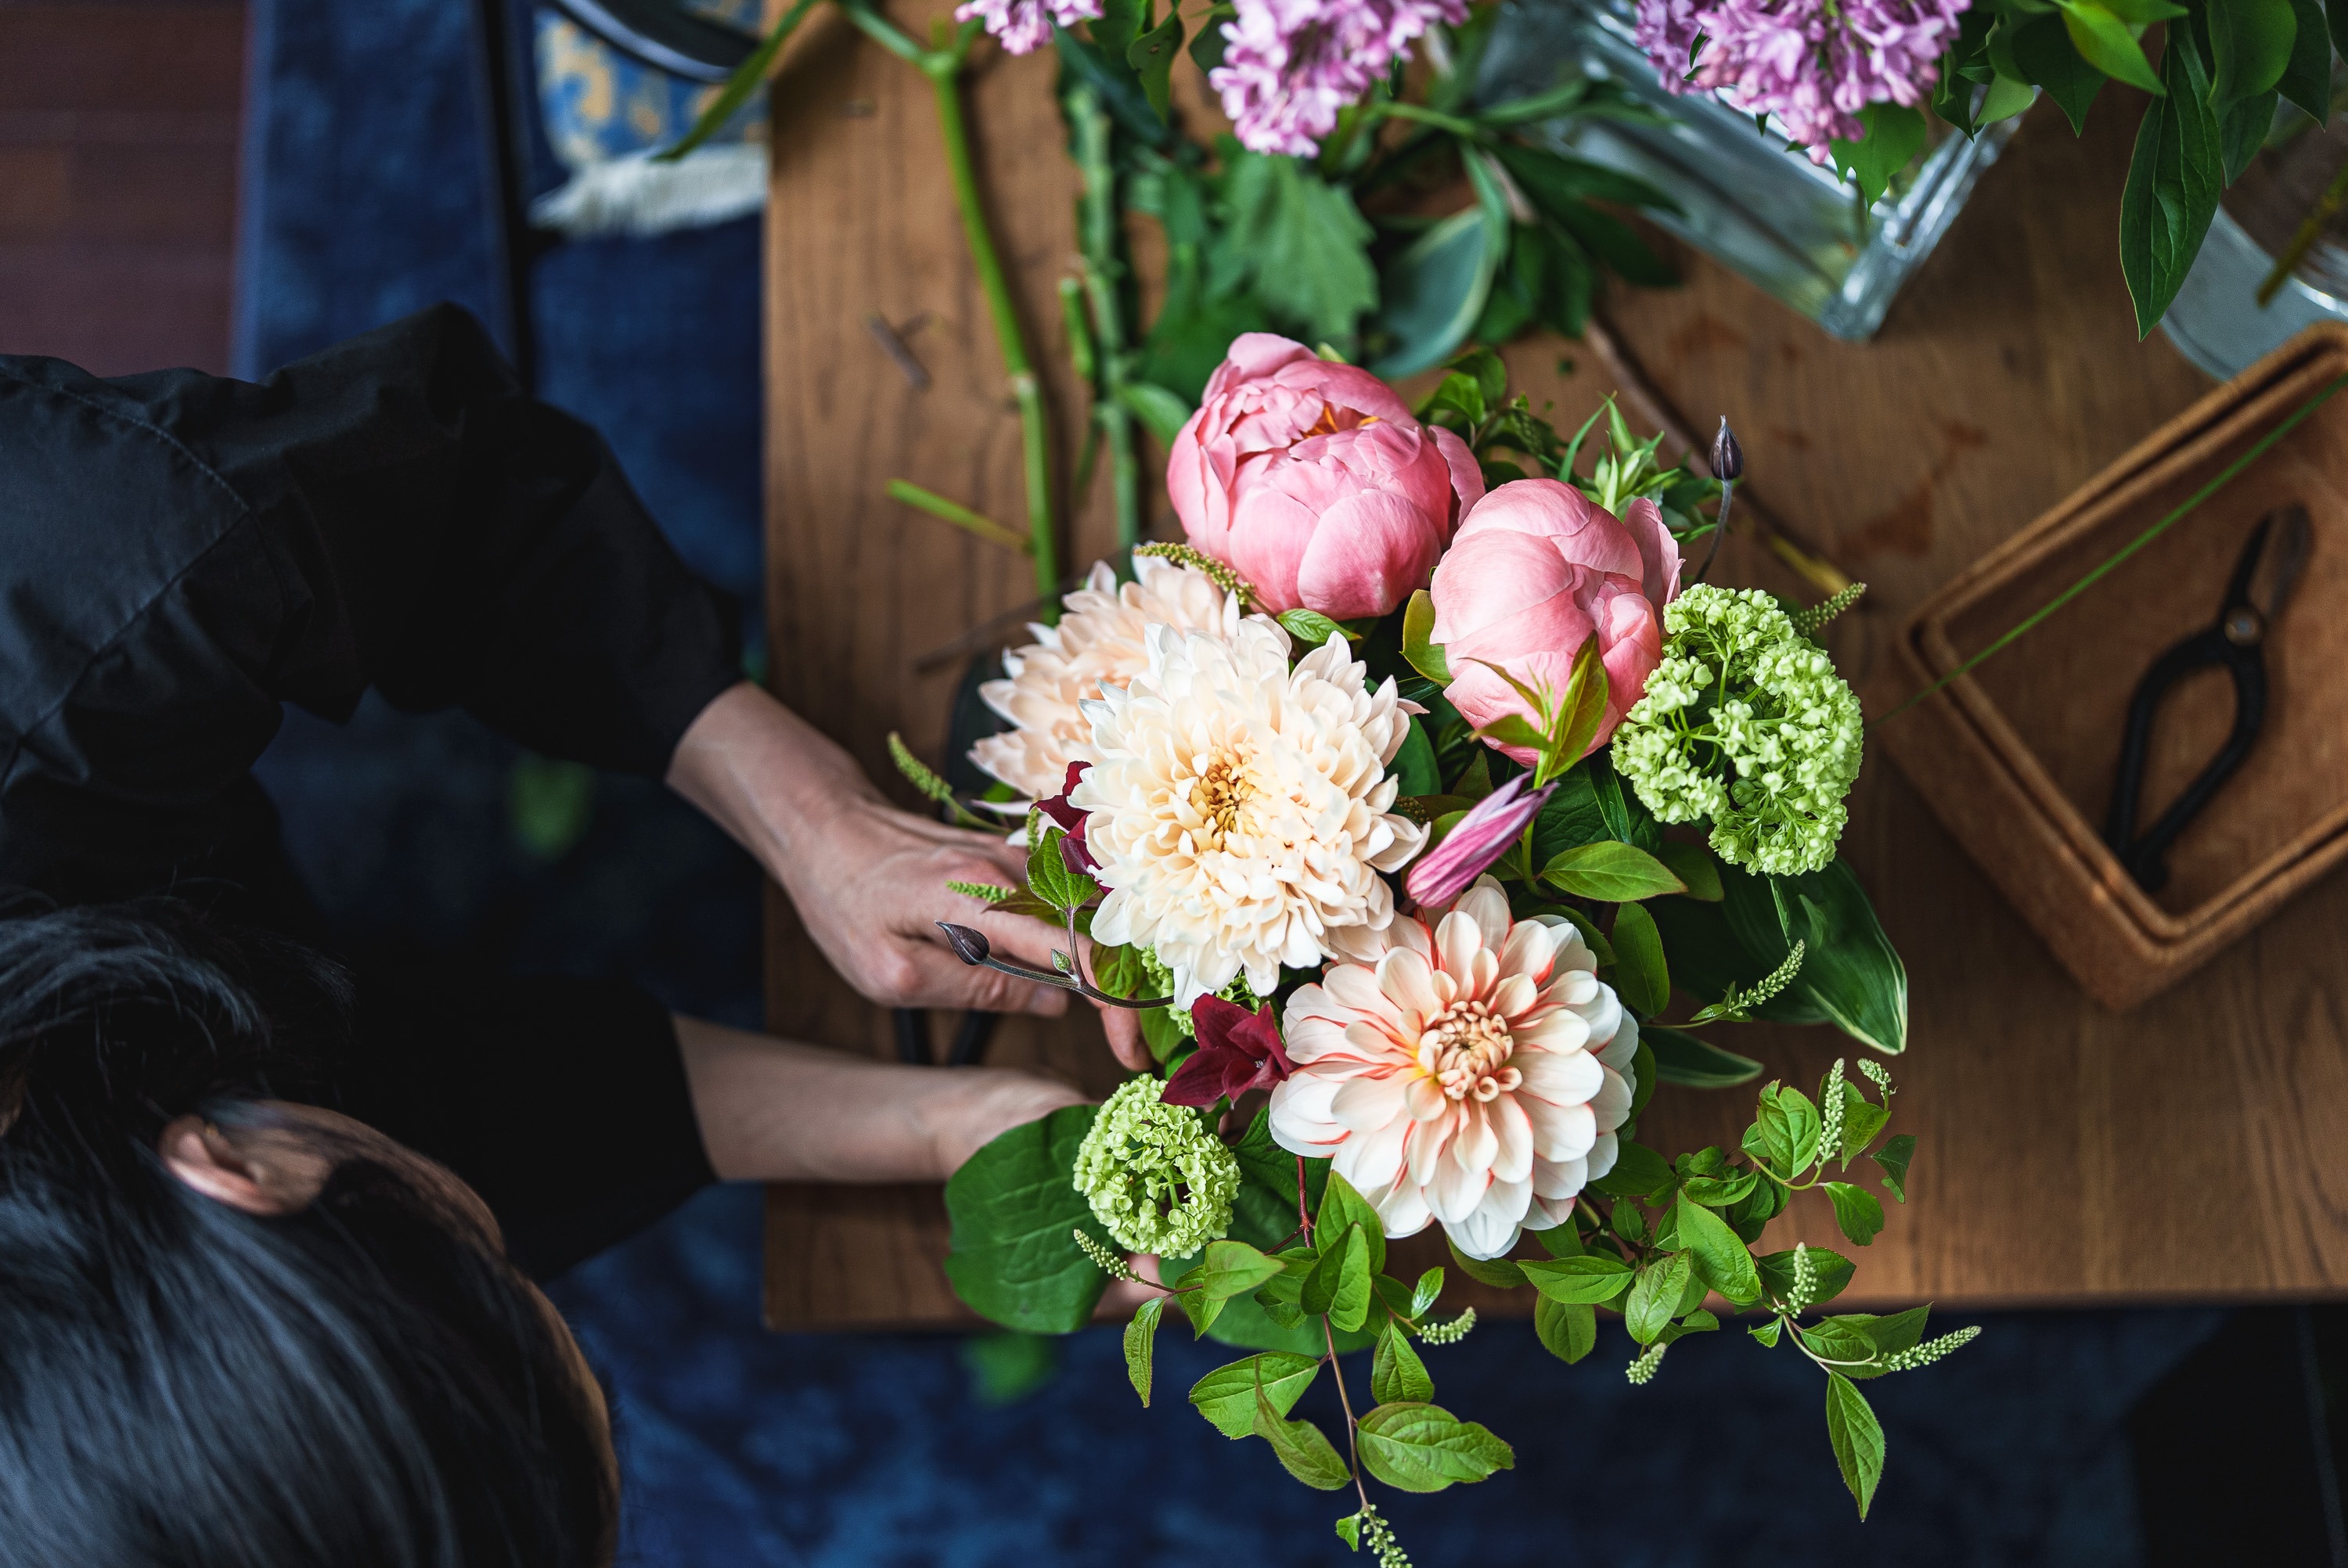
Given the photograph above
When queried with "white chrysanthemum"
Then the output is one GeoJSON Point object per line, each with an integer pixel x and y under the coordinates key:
{"type": "Point", "coordinates": [1098, 642]}
{"type": "Point", "coordinates": [1474, 1072]}
{"type": "Point", "coordinates": [1239, 808]}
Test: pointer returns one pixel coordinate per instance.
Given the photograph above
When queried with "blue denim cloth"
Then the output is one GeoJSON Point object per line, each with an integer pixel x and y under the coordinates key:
{"type": "Point", "coordinates": [364, 201]}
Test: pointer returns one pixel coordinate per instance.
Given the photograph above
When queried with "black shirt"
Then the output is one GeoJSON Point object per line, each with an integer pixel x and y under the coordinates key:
{"type": "Point", "coordinates": [179, 554]}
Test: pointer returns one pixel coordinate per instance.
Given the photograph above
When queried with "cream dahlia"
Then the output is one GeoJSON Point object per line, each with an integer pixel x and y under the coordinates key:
{"type": "Point", "coordinates": [1240, 810]}
{"type": "Point", "coordinates": [1098, 642]}
{"type": "Point", "coordinates": [1473, 1072]}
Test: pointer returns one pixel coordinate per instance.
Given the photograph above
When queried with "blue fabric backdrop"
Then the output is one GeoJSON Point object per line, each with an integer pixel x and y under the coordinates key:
{"type": "Point", "coordinates": [364, 201]}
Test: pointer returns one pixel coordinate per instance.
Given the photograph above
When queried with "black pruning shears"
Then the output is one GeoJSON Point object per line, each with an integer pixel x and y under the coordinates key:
{"type": "Point", "coordinates": [2255, 597]}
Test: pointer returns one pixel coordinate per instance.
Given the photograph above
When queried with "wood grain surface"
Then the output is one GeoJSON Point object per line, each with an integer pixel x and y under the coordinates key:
{"type": "Point", "coordinates": [2188, 1151]}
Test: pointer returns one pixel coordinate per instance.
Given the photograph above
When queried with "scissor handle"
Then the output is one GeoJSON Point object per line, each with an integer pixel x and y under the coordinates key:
{"type": "Point", "coordinates": [2144, 855]}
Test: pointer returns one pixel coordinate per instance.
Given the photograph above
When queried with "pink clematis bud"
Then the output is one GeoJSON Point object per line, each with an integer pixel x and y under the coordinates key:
{"type": "Point", "coordinates": [1482, 837]}
{"type": "Point", "coordinates": [1070, 819]}
{"type": "Point", "coordinates": [1238, 1051]}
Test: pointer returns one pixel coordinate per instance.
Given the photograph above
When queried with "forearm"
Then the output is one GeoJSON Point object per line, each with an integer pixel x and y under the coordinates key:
{"type": "Point", "coordinates": [773, 1111]}
{"type": "Point", "coordinates": [766, 776]}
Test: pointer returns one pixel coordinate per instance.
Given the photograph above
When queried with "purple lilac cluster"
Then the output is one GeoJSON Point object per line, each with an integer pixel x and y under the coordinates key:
{"type": "Point", "coordinates": [1023, 26]}
{"type": "Point", "coordinates": [1813, 64]}
{"type": "Point", "coordinates": [1290, 66]}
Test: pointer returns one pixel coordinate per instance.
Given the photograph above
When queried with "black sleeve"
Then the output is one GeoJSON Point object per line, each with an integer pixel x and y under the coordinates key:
{"type": "Point", "coordinates": [179, 553]}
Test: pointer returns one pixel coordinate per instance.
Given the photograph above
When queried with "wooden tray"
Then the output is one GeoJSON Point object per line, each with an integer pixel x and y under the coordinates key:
{"type": "Point", "coordinates": [2017, 759]}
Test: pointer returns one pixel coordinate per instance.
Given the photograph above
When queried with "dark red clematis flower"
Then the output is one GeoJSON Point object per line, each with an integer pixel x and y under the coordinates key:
{"type": "Point", "coordinates": [1238, 1051]}
{"type": "Point", "coordinates": [1071, 820]}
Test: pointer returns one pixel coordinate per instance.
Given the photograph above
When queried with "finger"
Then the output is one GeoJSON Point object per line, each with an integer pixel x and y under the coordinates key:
{"type": "Point", "coordinates": [938, 979]}
{"type": "Point", "coordinates": [1123, 1027]}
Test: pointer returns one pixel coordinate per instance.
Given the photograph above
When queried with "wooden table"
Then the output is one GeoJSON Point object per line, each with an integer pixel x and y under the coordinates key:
{"type": "Point", "coordinates": [2188, 1151]}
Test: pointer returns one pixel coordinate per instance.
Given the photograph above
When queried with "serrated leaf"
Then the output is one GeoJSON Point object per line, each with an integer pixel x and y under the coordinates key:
{"type": "Point", "coordinates": [1049, 878]}
{"type": "Point", "coordinates": [1721, 1260]}
{"type": "Point", "coordinates": [1856, 1212]}
{"type": "Point", "coordinates": [1498, 1272]}
{"type": "Point", "coordinates": [1417, 1447]}
{"type": "Point", "coordinates": [1141, 1346]}
{"type": "Point", "coordinates": [1302, 1450]}
{"type": "Point", "coordinates": [1233, 1267]}
{"type": "Point", "coordinates": [1693, 1063]}
{"type": "Point", "coordinates": [1418, 648]}
{"type": "Point", "coordinates": [1832, 1269]}
{"type": "Point", "coordinates": [1302, 242]}
{"type": "Point", "coordinates": [1396, 1370]}
{"type": "Point", "coordinates": [1611, 873]}
{"type": "Point", "coordinates": [1226, 1396]}
{"type": "Point", "coordinates": [1593, 1279]}
{"type": "Point", "coordinates": [1857, 1439]}
{"type": "Point", "coordinates": [1202, 1309]}
{"type": "Point", "coordinates": [1566, 1332]}
{"type": "Point", "coordinates": [1655, 1299]}
{"type": "Point", "coordinates": [1862, 1119]}
{"type": "Point", "coordinates": [1341, 1207]}
{"type": "Point", "coordinates": [1013, 1259]}
{"type": "Point", "coordinates": [1641, 977]}
{"type": "Point", "coordinates": [1894, 1157]}
{"type": "Point", "coordinates": [1768, 1332]}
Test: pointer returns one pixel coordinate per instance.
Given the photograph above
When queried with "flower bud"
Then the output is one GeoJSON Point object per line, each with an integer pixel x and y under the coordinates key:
{"type": "Point", "coordinates": [971, 947]}
{"type": "Point", "coordinates": [1727, 457]}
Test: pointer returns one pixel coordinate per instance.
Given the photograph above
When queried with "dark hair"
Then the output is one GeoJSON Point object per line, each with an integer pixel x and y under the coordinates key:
{"type": "Point", "coordinates": [367, 1382]}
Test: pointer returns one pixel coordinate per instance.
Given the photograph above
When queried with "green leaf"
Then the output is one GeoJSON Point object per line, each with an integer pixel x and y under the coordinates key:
{"type": "Point", "coordinates": [1721, 1260]}
{"type": "Point", "coordinates": [1692, 864]}
{"type": "Point", "coordinates": [1424, 1294]}
{"type": "Point", "coordinates": [1833, 1270]}
{"type": "Point", "coordinates": [1302, 1450]}
{"type": "Point", "coordinates": [1341, 1207]}
{"type": "Point", "coordinates": [1414, 769]}
{"type": "Point", "coordinates": [1349, 1298]}
{"type": "Point", "coordinates": [1893, 1157]}
{"type": "Point", "coordinates": [1232, 1267]}
{"type": "Point", "coordinates": [1611, 873]}
{"type": "Point", "coordinates": [1639, 1173]}
{"type": "Point", "coordinates": [1844, 1339]}
{"type": "Point", "coordinates": [1396, 1370]}
{"type": "Point", "coordinates": [1857, 1437]}
{"type": "Point", "coordinates": [2007, 98]}
{"type": "Point", "coordinates": [1895, 135]}
{"type": "Point", "coordinates": [1498, 1272]}
{"type": "Point", "coordinates": [1202, 1309]}
{"type": "Point", "coordinates": [1581, 711]}
{"type": "Point", "coordinates": [1014, 1258]}
{"type": "Point", "coordinates": [1226, 1396]}
{"type": "Point", "coordinates": [1207, 49]}
{"type": "Point", "coordinates": [1163, 412]}
{"type": "Point", "coordinates": [1856, 1212]}
{"type": "Point", "coordinates": [1593, 1279]}
{"type": "Point", "coordinates": [1140, 1345]}
{"type": "Point", "coordinates": [1862, 1119]}
{"type": "Point", "coordinates": [1304, 244]}
{"type": "Point", "coordinates": [1459, 393]}
{"type": "Point", "coordinates": [1899, 1331]}
{"type": "Point", "coordinates": [1790, 1126]}
{"type": "Point", "coordinates": [1850, 975]}
{"type": "Point", "coordinates": [1049, 878]}
{"type": "Point", "coordinates": [2250, 48]}
{"type": "Point", "coordinates": [1560, 1240]}
{"type": "Point", "coordinates": [1641, 976]}
{"type": "Point", "coordinates": [746, 79]}
{"type": "Point", "coordinates": [2243, 129]}
{"type": "Point", "coordinates": [1423, 654]}
{"type": "Point", "coordinates": [2173, 181]}
{"type": "Point", "coordinates": [2307, 80]}
{"type": "Point", "coordinates": [1566, 1332]}
{"type": "Point", "coordinates": [1693, 1063]}
{"type": "Point", "coordinates": [1152, 58]}
{"type": "Point", "coordinates": [1768, 1332]}
{"type": "Point", "coordinates": [1434, 289]}
{"type": "Point", "coordinates": [1349, 1531]}
{"type": "Point", "coordinates": [1416, 1447]}
{"type": "Point", "coordinates": [2041, 47]}
{"type": "Point", "coordinates": [2106, 43]}
{"type": "Point", "coordinates": [1559, 184]}
{"type": "Point", "coordinates": [1310, 627]}
{"type": "Point", "coordinates": [1655, 1299]}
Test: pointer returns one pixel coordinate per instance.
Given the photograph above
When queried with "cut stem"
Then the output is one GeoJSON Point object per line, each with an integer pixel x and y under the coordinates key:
{"type": "Point", "coordinates": [1105, 271]}
{"type": "Point", "coordinates": [2319, 218]}
{"type": "Point", "coordinates": [960, 516]}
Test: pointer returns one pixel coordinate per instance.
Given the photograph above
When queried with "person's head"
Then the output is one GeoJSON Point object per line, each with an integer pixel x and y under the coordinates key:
{"type": "Point", "coordinates": [237, 1330]}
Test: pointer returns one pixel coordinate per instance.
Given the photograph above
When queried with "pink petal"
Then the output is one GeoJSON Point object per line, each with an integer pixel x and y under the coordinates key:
{"type": "Point", "coordinates": [1367, 554]}
{"type": "Point", "coordinates": [1659, 553]}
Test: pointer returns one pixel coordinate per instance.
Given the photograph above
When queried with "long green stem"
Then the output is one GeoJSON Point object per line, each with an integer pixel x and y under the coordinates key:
{"type": "Point", "coordinates": [2224, 477]}
{"type": "Point", "coordinates": [748, 79]}
{"type": "Point", "coordinates": [2327, 207]}
{"type": "Point", "coordinates": [1105, 270]}
{"type": "Point", "coordinates": [943, 66]}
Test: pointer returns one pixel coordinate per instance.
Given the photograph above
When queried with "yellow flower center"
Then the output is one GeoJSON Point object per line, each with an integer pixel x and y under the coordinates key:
{"type": "Point", "coordinates": [1466, 1048]}
{"type": "Point", "coordinates": [1332, 420]}
{"type": "Point", "coordinates": [1220, 794]}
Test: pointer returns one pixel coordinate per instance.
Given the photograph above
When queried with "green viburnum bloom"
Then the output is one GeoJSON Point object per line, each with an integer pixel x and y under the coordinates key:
{"type": "Point", "coordinates": [1156, 1177]}
{"type": "Point", "coordinates": [1744, 722]}
{"type": "Point", "coordinates": [1161, 983]}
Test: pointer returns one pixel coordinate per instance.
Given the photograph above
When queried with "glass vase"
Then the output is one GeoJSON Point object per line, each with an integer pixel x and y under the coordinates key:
{"type": "Point", "coordinates": [1792, 228]}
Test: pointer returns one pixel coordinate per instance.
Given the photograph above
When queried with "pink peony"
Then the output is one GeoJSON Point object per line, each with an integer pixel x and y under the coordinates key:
{"type": "Point", "coordinates": [1536, 568]}
{"type": "Point", "coordinates": [1315, 483]}
{"type": "Point", "coordinates": [1474, 1073]}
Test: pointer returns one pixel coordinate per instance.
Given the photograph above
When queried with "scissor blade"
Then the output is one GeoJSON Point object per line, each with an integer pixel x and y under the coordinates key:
{"type": "Point", "coordinates": [2285, 561]}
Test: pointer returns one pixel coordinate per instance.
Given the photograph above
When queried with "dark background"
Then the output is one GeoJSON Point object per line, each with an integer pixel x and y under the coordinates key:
{"type": "Point", "coordinates": [208, 183]}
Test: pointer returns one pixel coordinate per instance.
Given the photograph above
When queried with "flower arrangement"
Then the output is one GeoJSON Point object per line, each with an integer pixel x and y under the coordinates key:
{"type": "Point", "coordinates": [1364, 816]}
